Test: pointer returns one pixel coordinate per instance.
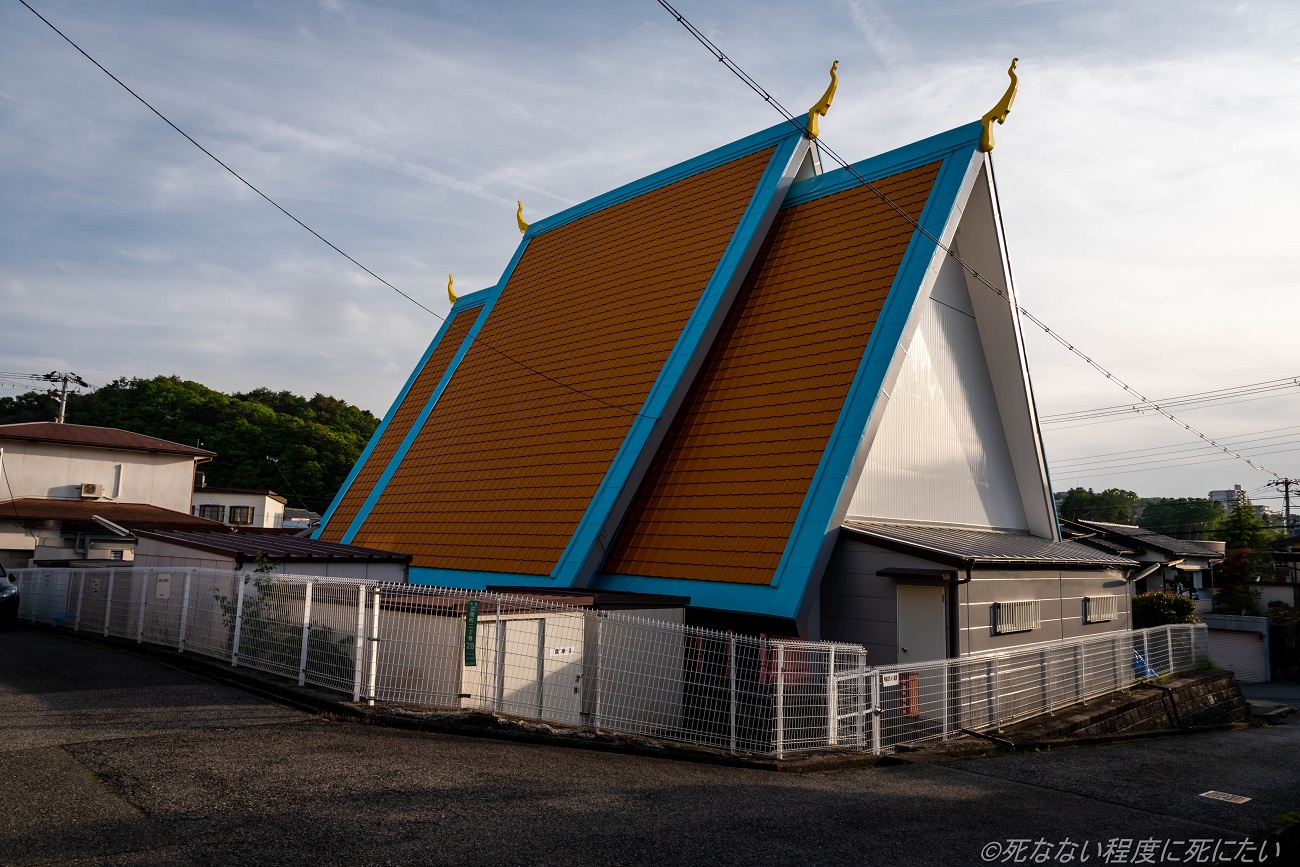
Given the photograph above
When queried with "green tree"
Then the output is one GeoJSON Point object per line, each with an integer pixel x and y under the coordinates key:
{"type": "Point", "coordinates": [1112, 505]}
{"type": "Point", "coordinates": [302, 448]}
{"type": "Point", "coordinates": [1242, 528]}
{"type": "Point", "coordinates": [1182, 517]}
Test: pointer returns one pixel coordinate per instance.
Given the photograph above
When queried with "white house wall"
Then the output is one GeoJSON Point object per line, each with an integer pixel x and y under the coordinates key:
{"type": "Point", "coordinates": [57, 472]}
{"type": "Point", "coordinates": [940, 454]}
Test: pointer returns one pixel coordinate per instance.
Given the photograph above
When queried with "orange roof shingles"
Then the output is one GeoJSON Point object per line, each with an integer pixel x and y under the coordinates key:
{"type": "Point", "coordinates": [721, 497]}
{"type": "Point", "coordinates": [406, 414]}
{"type": "Point", "coordinates": [509, 460]}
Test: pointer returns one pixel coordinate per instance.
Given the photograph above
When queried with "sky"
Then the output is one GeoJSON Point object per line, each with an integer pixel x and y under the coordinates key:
{"type": "Point", "coordinates": [1147, 178]}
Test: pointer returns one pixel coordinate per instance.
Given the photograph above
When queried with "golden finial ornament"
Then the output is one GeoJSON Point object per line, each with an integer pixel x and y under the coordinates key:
{"type": "Point", "coordinates": [823, 105]}
{"type": "Point", "coordinates": [519, 216]}
{"type": "Point", "coordinates": [1000, 111]}
{"type": "Point", "coordinates": [451, 293]}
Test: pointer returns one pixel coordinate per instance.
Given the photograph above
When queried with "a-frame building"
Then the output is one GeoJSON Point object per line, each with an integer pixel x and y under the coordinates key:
{"type": "Point", "coordinates": [797, 397]}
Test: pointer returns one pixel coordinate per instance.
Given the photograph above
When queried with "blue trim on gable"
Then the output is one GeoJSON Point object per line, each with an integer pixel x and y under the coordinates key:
{"type": "Point", "coordinates": [388, 418]}
{"type": "Point", "coordinates": [688, 346]}
{"type": "Point", "coordinates": [909, 157]}
{"type": "Point", "coordinates": [650, 183]}
{"type": "Point", "coordinates": [824, 494]}
{"type": "Point", "coordinates": [484, 300]}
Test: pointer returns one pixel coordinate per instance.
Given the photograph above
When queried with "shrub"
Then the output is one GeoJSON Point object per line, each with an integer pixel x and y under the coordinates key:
{"type": "Point", "coordinates": [1158, 609]}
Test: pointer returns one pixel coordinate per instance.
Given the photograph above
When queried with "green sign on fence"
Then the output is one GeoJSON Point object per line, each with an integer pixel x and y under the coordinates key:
{"type": "Point", "coordinates": [471, 633]}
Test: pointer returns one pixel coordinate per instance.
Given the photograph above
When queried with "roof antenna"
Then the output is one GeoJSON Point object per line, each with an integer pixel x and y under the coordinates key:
{"type": "Point", "coordinates": [1000, 111]}
{"type": "Point", "coordinates": [823, 105]}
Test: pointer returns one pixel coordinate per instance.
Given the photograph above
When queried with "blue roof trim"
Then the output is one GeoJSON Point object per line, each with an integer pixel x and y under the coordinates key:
{"type": "Point", "coordinates": [484, 301]}
{"type": "Point", "coordinates": [650, 183]}
{"type": "Point", "coordinates": [470, 579]}
{"type": "Point", "coordinates": [690, 344]}
{"type": "Point", "coordinates": [814, 526]}
{"type": "Point", "coordinates": [388, 418]}
{"type": "Point", "coordinates": [909, 157]}
{"type": "Point", "coordinates": [750, 598]}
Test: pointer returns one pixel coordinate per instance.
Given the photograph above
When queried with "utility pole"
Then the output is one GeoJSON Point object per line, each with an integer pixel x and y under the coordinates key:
{"type": "Point", "coordinates": [64, 378]}
{"type": "Point", "coordinates": [1285, 485]}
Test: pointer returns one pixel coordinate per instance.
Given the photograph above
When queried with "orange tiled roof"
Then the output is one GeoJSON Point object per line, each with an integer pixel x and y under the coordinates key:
{"type": "Point", "coordinates": [434, 368]}
{"type": "Point", "coordinates": [722, 494]}
{"type": "Point", "coordinates": [508, 461]}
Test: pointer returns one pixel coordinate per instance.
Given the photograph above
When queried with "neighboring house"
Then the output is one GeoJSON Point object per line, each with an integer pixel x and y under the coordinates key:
{"type": "Point", "coordinates": [240, 507]}
{"type": "Point", "coordinates": [760, 386]}
{"type": "Point", "coordinates": [285, 553]}
{"type": "Point", "coordinates": [300, 519]}
{"type": "Point", "coordinates": [1169, 563]}
{"type": "Point", "coordinates": [68, 491]}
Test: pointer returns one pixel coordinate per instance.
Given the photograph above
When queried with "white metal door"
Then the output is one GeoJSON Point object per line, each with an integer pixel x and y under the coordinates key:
{"type": "Point", "coordinates": [1242, 653]}
{"type": "Point", "coordinates": [921, 618]}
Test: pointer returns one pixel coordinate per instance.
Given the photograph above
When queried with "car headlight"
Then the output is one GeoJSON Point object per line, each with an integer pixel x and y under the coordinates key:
{"type": "Point", "coordinates": [6, 592]}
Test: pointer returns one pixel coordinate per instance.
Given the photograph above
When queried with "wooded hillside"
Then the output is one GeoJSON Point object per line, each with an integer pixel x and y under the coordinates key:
{"type": "Point", "coordinates": [300, 448]}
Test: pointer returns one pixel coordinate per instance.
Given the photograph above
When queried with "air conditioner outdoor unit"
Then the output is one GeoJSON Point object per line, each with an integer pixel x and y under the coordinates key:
{"type": "Point", "coordinates": [91, 490]}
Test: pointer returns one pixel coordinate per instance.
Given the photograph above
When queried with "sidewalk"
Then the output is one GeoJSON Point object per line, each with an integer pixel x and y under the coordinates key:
{"type": "Point", "coordinates": [1274, 693]}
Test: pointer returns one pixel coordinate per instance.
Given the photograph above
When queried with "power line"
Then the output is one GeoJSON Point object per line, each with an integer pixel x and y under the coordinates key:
{"type": "Point", "coordinates": [1201, 397]}
{"type": "Point", "coordinates": [318, 235]}
{"type": "Point", "coordinates": [1162, 448]}
{"type": "Point", "coordinates": [1198, 450]}
{"type": "Point", "coordinates": [1050, 332]}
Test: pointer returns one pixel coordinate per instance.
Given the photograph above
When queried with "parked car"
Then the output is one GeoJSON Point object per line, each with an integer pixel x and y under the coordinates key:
{"type": "Point", "coordinates": [8, 602]}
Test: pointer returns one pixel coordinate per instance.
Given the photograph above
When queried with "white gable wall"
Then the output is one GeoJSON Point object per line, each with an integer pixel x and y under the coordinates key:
{"type": "Point", "coordinates": [957, 440]}
{"type": "Point", "coordinates": [940, 454]}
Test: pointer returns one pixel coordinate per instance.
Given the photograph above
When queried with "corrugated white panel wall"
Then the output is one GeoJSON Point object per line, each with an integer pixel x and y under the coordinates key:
{"type": "Point", "coordinates": [940, 454]}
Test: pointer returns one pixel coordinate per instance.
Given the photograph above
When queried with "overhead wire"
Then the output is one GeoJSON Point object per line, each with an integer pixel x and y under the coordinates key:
{"type": "Point", "coordinates": [1050, 332]}
{"type": "Point", "coordinates": [318, 235]}
{"type": "Point", "coordinates": [1213, 398]}
{"type": "Point", "coordinates": [790, 118]}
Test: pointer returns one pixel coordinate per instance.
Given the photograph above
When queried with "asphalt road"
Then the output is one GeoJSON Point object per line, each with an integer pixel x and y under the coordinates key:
{"type": "Point", "coordinates": [107, 758]}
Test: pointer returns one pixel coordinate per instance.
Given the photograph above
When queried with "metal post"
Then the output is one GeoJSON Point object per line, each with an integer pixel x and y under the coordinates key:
{"type": "Point", "coordinates": [862, 702]}
{"type": "Point", "coordinates": [241, 581]}
{"type": "Point", "coordinates": [1146, 650]}
{"type": "Point", "coordinates": [832, 703]}
{"type": "Point", "coordinates": [731, 670]}
{"type": "Point", "coordinates": [875, 712]}
{"type": "Point", "coordinates": [360, 652]}
{"type": "Point", "coordinates": [81, 593]}
{"type": "Point", "coordinates": [1080, 671]}
{"type": "Point", "coordinates": [108, 602]}
{"type": "Point", "coordinates": [371, 688]}
{"type": "Point", "coordinates": [600, 647]}
{"type": "Point", "coordinates": [498, 662]}
{"type": "Point", "coordinates": [1169, 642]}
{"type": "Point", "coordinates": [185, 610]}
{"type": "Point", "coordinates": [139, 623]}
{"type": "Point", "coordinates": [306, 635]}
{"type": "Point", "coordinates": [1047, 677]}
{"type": "Point", "coordinates": [997, 696]}
{"type": "Point", "coordinates": [780, 700]}
{"type": "Point", "coordinates": [947, 675]}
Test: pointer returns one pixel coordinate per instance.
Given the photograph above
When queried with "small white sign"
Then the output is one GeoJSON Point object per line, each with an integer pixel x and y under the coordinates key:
{"type": "Point", "coordinates": [1224, 796]}
{"type": "Point", "coordinates": [163, 590]}
{"type": "Point", "coordinates": [890, 679]}
{"type": "Point", "coordinates": [564, 651]}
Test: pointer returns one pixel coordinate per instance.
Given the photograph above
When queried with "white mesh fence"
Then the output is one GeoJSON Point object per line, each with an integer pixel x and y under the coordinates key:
{"type": "Point", "coordinates": [646, 675]}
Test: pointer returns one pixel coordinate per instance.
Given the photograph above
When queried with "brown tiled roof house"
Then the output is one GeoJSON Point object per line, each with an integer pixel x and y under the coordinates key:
{"type": "Point", "coordinates": [797, 397]}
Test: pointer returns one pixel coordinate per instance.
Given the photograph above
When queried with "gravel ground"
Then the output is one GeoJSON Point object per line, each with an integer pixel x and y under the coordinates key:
{"type": "Point", "coordinates": [106, 758]}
